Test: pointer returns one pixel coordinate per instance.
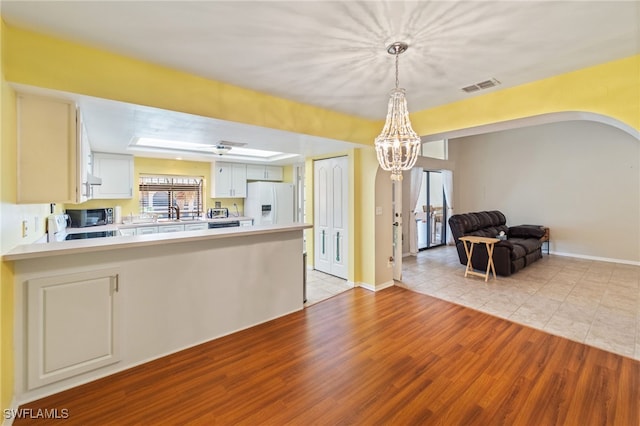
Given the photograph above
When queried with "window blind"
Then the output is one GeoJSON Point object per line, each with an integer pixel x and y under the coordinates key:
{"type": "Point", "coordinates": [159, 193]}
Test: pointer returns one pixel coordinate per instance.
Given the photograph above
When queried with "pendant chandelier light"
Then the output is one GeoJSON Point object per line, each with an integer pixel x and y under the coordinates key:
{"type": "Point", "coordinates": [398, 145]}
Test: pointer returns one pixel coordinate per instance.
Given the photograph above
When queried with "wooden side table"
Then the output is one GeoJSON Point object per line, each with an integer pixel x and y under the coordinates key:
{"type": "Point", "coordinates": [545, 237]}
{"type": "Point", "coordinates": [489, 243]}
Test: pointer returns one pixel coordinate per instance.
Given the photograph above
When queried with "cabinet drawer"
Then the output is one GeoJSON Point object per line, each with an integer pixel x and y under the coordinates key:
{"type": "Point", "coordinates": [144, 230]}
{"type": "Point", "coordinates": [196, 226]}
{"type": "Point", "coordinates": [171, 228]}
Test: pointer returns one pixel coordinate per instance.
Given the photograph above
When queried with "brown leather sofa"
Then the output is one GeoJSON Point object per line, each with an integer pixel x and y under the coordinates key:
{"type": "Point", "coordinates": [521, 248]}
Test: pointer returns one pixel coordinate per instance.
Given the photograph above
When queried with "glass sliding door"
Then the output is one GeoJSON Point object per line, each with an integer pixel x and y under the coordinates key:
{"type": "Point", "coordinates": [431, 212]}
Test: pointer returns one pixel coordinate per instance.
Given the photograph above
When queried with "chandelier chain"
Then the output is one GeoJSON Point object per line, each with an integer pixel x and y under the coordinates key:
{"type": "Point", "coordinates": [397, 79]}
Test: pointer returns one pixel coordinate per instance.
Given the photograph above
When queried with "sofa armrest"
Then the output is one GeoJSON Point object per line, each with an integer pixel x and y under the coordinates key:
{"type": "Point", "coordinates": [526, 231]}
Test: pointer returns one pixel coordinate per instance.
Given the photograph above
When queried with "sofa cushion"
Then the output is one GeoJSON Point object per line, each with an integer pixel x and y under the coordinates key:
{"type": "Point", "coordinates": [529, 245]}
{"type": "Point", "coordinates": [518, 251]}
{"type": "Point", "coordinates": [526, 231]}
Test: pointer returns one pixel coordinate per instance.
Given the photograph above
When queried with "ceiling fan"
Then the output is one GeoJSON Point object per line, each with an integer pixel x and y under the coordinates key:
{"type": "Point", "coordinates": [224, 147]}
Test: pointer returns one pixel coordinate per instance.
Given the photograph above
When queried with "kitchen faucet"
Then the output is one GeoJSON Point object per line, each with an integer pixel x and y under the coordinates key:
{"type": "Point", "coordinates": [177, 209]}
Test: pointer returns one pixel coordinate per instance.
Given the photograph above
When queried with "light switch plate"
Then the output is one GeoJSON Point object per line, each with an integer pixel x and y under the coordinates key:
{"type": "Point", "coordinates": [378, 210]}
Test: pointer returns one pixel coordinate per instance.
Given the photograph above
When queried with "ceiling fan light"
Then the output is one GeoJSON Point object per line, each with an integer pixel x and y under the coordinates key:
{"type": "Point", "coordinates": [221, 149]}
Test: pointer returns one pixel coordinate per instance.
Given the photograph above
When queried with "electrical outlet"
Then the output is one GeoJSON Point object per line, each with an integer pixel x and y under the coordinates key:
{"type": "Point", "coordinates": [25, 228]}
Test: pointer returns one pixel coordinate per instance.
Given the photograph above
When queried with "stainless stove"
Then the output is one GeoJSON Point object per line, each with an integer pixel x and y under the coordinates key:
{"type": "Point", "coordinates": [57, 230]}
{"type": "Point", "coordinates": [94, 234]}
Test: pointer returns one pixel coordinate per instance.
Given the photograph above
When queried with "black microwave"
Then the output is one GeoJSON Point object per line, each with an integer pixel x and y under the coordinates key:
{"type": "Point", "coordinates": [90, 217]}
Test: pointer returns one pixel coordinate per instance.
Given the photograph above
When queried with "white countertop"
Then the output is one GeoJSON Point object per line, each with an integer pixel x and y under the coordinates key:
{"type": "Point", "coordinates": [163, 222]}
{"type": "Point", "coordinates": [32, 251]}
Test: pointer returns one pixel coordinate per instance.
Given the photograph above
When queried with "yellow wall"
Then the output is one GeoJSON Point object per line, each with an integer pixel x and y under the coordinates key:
{"type": "Point", "coordinates": [6, 272]}
{"type": "Point", "coordinates": [611, 89]}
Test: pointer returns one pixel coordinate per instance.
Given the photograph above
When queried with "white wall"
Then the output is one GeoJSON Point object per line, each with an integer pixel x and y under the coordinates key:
{"type": "Point", "coordinates": [580, 178]}
{"type": "Point", "coordinates": [12, 216]}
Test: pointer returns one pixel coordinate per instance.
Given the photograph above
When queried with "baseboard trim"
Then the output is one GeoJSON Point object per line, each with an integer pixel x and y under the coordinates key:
{"type": "Point", "coordinates": [13, 408]}
{"type": "Point", "coordinates": [598, 258]}
{"type": "Point", "coordinates": [374, 288]}
{"type": "Point", "coordinates": [367, 286]}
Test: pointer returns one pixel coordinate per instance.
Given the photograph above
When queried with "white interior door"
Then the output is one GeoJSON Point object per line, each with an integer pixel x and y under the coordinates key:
{"type": "Point", "coordinates": [331, 204]}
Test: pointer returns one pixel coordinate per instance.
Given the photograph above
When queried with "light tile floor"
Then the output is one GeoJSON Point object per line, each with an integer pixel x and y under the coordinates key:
{"type": "Point", "coordinates": [592, 302]}
{"type": "Point", "coordinates": [321, 286]}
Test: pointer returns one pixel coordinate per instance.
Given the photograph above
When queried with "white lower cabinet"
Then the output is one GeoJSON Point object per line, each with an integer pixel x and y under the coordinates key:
{"type": "Point", "coordinates": [144, 230]}
{"type": "Point", "coordinates": [171, 228]}
{"type": "Point", "coordinates": [72, 325]}
{"type": "Point", "coordinates": [196, 226]}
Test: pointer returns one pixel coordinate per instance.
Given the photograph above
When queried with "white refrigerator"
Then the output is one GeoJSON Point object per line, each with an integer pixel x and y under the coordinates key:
{"type": "Point", "coordinates": [269, 203]}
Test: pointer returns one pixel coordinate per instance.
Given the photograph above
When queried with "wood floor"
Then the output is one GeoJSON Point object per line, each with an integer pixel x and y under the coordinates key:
{"type": "Point", "coordinates": [391, 357]}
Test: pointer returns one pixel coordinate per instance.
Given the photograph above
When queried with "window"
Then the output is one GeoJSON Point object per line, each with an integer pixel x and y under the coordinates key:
{"type": "Point", "coordinates": [160, 193]}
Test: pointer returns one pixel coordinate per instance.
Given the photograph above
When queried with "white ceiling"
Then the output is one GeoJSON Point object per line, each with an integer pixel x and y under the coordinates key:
{"type": "Point", "coordinates": [332, 54]}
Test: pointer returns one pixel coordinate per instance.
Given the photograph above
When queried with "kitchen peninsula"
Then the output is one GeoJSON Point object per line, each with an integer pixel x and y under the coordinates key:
{"type": "Point", "coordinates": [89, 308]}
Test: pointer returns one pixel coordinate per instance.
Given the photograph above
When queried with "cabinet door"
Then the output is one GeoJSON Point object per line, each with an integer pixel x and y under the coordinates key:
{"type": "Point", "coordinates": [47, 150]}
{"type": "Point", "coordinates": [220, 180]}
{"type": "Point", "coordinates": [261, 172]}
{"type": "Point", "coordinates": [255, 172]}
{"type": "Point", "coordinates": [229, 180]}
{"type": "Point", "coordinates": [116, 172]}
{"type": "Point", "coordinates": [239, 180]}
{"type": "Point", "coordinates": [273, 173]}
{"type": "Point", "coordinates": [72, 325]}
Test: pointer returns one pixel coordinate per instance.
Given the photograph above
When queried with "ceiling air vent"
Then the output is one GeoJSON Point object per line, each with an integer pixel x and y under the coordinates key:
{"type": "Point", "coordinates": [480, 86]}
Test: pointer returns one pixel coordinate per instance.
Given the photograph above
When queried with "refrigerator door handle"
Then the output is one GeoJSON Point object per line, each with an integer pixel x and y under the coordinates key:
{"type": "Point", "coordinates": [275, 207]}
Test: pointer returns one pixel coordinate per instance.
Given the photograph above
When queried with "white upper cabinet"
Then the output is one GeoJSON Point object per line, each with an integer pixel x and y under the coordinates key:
{"type": "Point", "coordinates": [116, 172]}
{"type": "Point", "coordinates": [49, 151]}
{"type": "Point", "coordinates": [228, 180]}
{"type": "Point", "coordinates": [261, 172]}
